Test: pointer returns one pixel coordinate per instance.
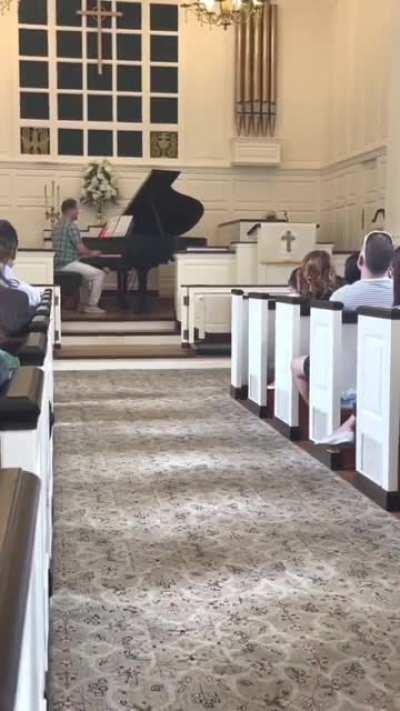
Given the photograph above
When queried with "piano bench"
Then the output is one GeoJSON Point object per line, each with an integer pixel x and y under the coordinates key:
{"type": "Point", "coordinates": [70, 284]}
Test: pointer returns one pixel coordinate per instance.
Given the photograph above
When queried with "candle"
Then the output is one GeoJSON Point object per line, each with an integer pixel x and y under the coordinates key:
{"type": "Point", "coordinates": [46, 199]}
{"type": "Point", "coordinates": [53, 189]}
{"type": "Point", "coordinates": [58, 198]}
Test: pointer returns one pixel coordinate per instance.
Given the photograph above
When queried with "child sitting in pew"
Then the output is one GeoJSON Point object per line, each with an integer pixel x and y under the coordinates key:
{"type": "Point", "coordinates": [8, 251]}
{"type": "Point", "coordinates": [375, 288]}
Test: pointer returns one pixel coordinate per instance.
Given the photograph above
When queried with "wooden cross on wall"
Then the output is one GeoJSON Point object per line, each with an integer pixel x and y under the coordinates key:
{"type": "Point", "coordinates": [288, 237]}
{"type": "Point", "coordinates": [99, 14]}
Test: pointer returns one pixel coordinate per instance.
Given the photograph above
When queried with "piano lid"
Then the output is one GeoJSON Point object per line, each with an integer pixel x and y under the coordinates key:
{"type": "Point", "coordinates": [158, 208]}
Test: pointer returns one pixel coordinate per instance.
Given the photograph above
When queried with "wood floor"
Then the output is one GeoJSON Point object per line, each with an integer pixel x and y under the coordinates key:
{"type": "Point", "coordinates": [159, 309]}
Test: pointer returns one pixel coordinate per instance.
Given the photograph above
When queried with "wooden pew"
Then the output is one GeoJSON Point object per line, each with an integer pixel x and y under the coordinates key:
{"type": "Point", "coordinates": [22, 667]}
{"type": "Point", "coordinates": [261, 357]}
{"type": "Point", "coordinates": [378, 406]}
{"type": "Point", "coordinates": [24, 444]}
{"type": "Point", "coordinates": [239, 344]}
{"type": "Point", "coordinates": [195, 307]}
{"type": "Point", "coordinates": [292, 339]}
{"type": "Point", "coordinates": [333, 371]}
{"type": "Point", "coordinates": [240, 337]}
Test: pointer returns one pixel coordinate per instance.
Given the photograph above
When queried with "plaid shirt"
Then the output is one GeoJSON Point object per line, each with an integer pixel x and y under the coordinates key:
{"type": "Point", "coordinates": [66, 237]}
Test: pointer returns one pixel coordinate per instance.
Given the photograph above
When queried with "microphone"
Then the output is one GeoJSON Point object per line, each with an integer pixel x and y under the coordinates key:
{"type": "Point", "coordinates": [253, 229]}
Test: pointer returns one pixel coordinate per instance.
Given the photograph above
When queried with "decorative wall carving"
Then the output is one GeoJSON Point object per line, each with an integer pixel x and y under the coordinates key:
{"type": "Point", "coordinates": [35, 141]}
{"type": "Point", "coordinates": [163, 144]}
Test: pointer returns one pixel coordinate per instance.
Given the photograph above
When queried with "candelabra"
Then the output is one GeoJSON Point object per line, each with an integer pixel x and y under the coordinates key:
{"type": "Point", "coordinates": [52, 205]}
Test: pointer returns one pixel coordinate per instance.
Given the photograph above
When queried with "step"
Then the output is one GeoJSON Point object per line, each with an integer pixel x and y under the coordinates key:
{"type": "Point", "coordinates": [118, 327]}
{"type": "Point", "coordinates": [124, 351]}
{"type": "Point", "coordinates": [130, 339]}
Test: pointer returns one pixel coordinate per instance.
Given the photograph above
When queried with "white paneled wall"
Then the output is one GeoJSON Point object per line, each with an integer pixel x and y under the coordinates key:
{"type": "Point", "coordinates": [226, 194]}
{"type": "Point", "coordinates": [351, 192]}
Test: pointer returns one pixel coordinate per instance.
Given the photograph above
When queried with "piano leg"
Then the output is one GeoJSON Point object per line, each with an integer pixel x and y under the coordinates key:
{"type": "Point", "coordinates": [123, 288]}
{"type": "Point", "coordinates": [141, 303]}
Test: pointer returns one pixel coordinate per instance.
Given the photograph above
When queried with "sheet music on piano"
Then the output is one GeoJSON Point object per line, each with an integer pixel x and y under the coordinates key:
{"type": "Point", "coordinates": [117, 227]}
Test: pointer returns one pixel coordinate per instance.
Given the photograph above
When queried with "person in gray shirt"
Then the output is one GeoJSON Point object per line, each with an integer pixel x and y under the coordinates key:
{"type": "Point", "coordinates": [375, 288]}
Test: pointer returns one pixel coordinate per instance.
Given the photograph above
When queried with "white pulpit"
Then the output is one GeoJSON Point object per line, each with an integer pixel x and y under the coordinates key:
{"type": "Point", "coordinates": [282, 246]}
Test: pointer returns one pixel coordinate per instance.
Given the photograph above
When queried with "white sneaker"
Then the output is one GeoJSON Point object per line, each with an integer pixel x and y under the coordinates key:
{"type": "Point", "coordinates": [96, 310]}
{"type": "Point", "coordinates": [339, 437]}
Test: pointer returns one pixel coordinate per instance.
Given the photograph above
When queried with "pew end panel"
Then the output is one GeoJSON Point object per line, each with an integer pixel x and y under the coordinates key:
{"type": "Point", "coordinates": [325, 356]}
{"type": "Point", "coordinates": [292, 339]}
{"type": "Point", "coordinates": [378, 406]}
{"type": "Point", "coordinates": [261, 353]}
{"type": "Point", "coordinates": [239, 345]}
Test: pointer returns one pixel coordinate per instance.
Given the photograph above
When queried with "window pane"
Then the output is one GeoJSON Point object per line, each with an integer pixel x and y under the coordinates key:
{"type": "Point", "coordinates": [163, 110]}
{"type": "Point", "coordinates": [67, 13]}
{"type": "Point", "coordinates": [34, 105]}
{"type": "Point", "coordinates": [100, 143]}
{"type": "Point", "coordinates": [70, 107]}
{"type": "Point", "coordinates": [163, 48]}
{"type": "Point", "coordinates": [129, 78]}
{"type": "Point", "coordinates": [129, 47]}
{"type": "Point", "coordinates": [164, 80]}
{"type": "Point", "coordinates": [69, 75]}
{"type": "Point", "coordinates": [164, 17]}
{"type": "Point", "coordinates": [33, 43]}
{"type": "Point", "coordinates": [129, 109]}
{"type": "Point", "coordinates": [92, 46]}
{"type": "Point", "coordinates": [130, 144]}
{"type": "Point", "coordinates": [34, 74]}
{"type": "Point", "coordinates": [33, 12]}
{"type": "Point", "coordinates": [69, 44]}
{"type": "Point", "coordinates": [131, 16]}
{"type": "Point", "coordinates": [99, 82]}
{"type": "Point", "coordinates": [70, 142]}
{"type": "Point", "coordinates": [100, 108]}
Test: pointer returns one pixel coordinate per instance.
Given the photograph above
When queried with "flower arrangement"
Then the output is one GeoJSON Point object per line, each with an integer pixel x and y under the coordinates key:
{"type": "Point", "coordinates": [99, 187]}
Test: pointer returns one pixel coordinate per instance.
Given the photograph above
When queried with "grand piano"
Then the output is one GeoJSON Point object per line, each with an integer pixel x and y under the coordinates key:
{"type": "Point", "coordinates": [160, 216]}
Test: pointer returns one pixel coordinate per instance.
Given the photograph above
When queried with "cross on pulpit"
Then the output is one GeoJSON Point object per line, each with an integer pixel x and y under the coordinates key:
{"type": "Point", "coordinates": [99, 14]}
{"type": "Point", "coordinates": [288, 237]}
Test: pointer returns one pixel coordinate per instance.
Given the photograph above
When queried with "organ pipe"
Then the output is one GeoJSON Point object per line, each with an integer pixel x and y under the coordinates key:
{"type": "Point", "coordinates": [256, 92]}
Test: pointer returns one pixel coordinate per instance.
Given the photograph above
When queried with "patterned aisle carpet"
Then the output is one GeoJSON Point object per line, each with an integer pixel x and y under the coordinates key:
{"type": "Point", "coordinates": [202, 562]}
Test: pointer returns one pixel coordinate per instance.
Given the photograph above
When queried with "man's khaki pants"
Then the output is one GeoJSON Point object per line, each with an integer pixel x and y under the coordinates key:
{"type": "Point", "coordinates": [92, 281]}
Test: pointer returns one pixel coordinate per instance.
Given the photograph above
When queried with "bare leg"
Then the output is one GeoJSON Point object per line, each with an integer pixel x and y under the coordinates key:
{"type": "Point", "coordinates": [300, 380]}
{"type": "Point", "coordinates": [345, 434]}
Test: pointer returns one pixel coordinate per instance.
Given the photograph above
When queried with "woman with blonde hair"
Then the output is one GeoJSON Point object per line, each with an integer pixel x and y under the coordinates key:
{"type": "Point", "coordinates": [317, 277]}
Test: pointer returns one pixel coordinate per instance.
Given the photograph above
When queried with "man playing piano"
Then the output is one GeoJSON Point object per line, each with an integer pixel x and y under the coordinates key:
{"type": "Point", "coordinates": [69, 249]}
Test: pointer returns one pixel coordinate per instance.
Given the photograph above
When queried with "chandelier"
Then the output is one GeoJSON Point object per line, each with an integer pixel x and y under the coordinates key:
{"type": "Point", "coordinates": [222, 13]}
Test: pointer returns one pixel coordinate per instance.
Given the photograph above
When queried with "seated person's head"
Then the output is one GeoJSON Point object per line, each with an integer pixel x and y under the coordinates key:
{"type": "Point", "coordinates": [396, 277]}
{"type": "Point", "coordinates": [351, 269]}
{"type": "Point", "coordinates": [8, 242]}
{"type": "Point", "coordinates": [69, 209]}
{"type": "Point", "coordinates": [376, 255]}
{"type": "Point", "coordinates": [293, 281]}
{"type": "Point", "coordinates": [317, 277]}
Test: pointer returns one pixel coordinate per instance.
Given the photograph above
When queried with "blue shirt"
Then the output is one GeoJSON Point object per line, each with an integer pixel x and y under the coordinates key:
{"type": "Point", "coordinates": [366, 292]}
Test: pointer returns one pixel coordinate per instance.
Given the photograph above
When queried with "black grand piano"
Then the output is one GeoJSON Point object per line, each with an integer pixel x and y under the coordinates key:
{"type": "Point", "coordinates": [160, 216]}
